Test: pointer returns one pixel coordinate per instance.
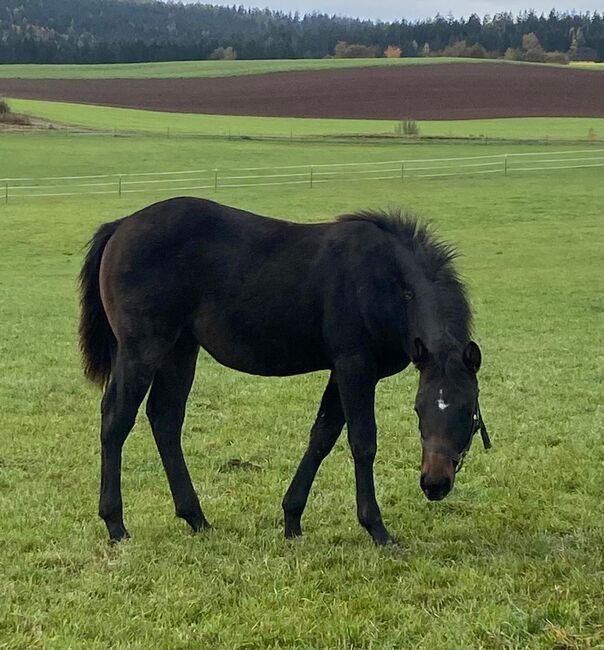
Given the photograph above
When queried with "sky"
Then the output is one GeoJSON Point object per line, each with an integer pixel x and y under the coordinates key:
{"type": "Point", "coordinates": [414, 10]}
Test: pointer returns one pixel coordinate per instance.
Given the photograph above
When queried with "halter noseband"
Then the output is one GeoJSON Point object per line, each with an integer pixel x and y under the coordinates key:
{"type": "Point", "coordinates": [458, 458]}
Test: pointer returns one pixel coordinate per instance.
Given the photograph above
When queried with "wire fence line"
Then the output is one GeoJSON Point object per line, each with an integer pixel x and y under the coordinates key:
{"type": "Point", "coordinates": [308, 174]}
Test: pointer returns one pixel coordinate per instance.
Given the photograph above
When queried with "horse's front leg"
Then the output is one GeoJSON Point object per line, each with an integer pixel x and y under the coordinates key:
{"type": "Point", "coordinates": [356, 381]}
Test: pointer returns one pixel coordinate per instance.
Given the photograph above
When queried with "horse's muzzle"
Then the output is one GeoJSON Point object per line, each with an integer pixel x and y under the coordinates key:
{"type": "Point", "coordinates": [435, 489]}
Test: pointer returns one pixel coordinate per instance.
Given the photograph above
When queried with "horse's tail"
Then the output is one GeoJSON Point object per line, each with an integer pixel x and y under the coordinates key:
{"type": "Point", "coordinates": [97, 341]}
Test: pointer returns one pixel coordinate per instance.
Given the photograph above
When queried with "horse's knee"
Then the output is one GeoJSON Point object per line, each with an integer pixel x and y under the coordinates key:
{"type": "Point", "coordinates": [363, 452]}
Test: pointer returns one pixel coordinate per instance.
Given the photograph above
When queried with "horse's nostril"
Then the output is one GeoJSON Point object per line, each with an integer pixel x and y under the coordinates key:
{"type": "Point", "coordinates": [424, 482]}
{"type": "Point", "coordinates": [435, 488]}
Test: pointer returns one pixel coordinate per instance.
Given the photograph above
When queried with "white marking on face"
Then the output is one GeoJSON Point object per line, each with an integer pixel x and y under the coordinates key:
{"type": "Point", "coordinates": [440, 402]}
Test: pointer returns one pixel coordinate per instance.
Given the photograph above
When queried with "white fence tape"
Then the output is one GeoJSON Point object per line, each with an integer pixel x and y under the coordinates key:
{"type": "Point", "coordinates": [301, 174]}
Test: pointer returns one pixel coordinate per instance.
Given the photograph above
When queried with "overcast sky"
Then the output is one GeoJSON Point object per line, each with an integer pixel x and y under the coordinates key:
{"type": "Point", "coordinates": [396, 9]}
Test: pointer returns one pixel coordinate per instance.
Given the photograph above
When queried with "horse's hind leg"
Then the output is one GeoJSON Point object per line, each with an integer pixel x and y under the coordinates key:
{"type": "Point", "coordinates": [166, 412]}
{"type": "Point", "coordinates": [130, 380]}
{"type": "Point", "coordinates": [323, 436]}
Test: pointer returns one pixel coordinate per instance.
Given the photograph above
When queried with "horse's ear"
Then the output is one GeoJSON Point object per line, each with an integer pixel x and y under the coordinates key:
{"type": "Point", "coordinates": [472, 356]}
{"type": "Point", "coordinates": [420, 352]}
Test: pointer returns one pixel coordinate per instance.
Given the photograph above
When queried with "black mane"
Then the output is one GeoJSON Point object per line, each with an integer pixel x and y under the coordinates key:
{"type": "Point", "coordinates": [430, 260]}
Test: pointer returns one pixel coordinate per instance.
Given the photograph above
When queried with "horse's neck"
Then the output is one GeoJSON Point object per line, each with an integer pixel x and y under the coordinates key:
{"type": "Point", "coordinates": [428, 322]}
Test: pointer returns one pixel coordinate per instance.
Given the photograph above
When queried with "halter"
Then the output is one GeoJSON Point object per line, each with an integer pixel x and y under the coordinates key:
{"type": "Point", "coordinates": [458, 458]}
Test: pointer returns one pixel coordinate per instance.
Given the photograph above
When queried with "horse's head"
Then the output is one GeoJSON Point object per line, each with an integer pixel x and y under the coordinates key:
{"type": "Point", "coordinates": [448, 412]}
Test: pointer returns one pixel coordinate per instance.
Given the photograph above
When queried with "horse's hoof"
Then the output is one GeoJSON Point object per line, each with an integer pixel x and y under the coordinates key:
{"type": "Point", "coordinates": [385, 539]}
{"type": "Point", "coordinates": [117, 538]}
{"type": "Point", "coordinates": [293, 531]}
{"type": "Point", "coordinates": [199, 525]}
{"type": "Point", "coordinates": [394, 547]}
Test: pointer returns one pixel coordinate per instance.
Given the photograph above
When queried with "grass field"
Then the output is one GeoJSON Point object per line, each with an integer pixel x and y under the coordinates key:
{"type": "Point", "coordinates": [124, 119]}
{"type": "Point", "coordinates": [512, 559]}
{"type": "Point", "coordinates": [588, 65]}
{"type": "Point", "coordinates": [212, 68]}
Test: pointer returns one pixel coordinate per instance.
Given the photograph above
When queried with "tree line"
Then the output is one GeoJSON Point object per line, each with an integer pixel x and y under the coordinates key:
{"type": "Point", "coordinates": [118, 31]}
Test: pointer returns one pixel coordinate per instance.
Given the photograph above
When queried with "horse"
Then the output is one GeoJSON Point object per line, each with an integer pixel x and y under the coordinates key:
{"type": "Point", "coordinates": [363, 296]}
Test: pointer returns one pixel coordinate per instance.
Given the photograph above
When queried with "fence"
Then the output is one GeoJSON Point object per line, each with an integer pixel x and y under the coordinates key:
{"type": "Point", "coordinates": [308, 174]}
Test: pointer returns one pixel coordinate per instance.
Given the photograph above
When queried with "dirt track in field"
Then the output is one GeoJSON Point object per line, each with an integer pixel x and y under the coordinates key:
{"type": "Point", "coordinates": [427, 92]}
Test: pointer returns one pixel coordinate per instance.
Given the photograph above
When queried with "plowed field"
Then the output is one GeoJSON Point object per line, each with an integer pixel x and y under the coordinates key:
{"type": "Point", "coordinates": [431, 92]}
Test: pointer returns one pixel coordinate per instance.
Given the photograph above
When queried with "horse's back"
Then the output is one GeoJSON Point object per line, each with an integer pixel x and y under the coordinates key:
{"type": "Point", "coordinates": [249, 287]}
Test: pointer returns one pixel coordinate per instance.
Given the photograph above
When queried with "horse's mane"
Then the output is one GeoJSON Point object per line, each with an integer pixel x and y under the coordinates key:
{"type": "Point", "coordinates": [434, 260]}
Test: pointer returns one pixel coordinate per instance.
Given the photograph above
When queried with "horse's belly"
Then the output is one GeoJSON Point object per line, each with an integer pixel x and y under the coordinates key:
{"type": "Point", "coordinates": [268, 352]}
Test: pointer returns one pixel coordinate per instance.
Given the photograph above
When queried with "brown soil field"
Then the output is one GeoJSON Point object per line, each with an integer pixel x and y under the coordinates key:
{"type": "Point", "coordinates": [427, 92]}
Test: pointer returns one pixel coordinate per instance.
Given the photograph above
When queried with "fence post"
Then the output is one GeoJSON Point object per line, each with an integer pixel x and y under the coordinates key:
{"type": "Point", "coordinates": [402, 172]}
{"type": "Point", "coordinates": [311, 173]}
{"type": "Point", "coordinates": [168, 132]}
{"type": "Point", "coordinates": [215, 180]}
{"type": "Point", "coordinates": [505, 165]}
{"type": "Point", "coordinates": [6, 193]}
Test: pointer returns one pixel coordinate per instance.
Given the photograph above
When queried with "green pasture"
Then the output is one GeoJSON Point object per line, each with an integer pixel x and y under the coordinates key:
{"type": "Point", "coordinates": [511, 559]}
{"type": "Point", "coordinates": [588, 65]}
{"type": "Point", "coordinates": [59, 155]}
{"type": "Point", "coordinates": [166, 69]}
{"type": "Point", "coordinates": [125, 119]}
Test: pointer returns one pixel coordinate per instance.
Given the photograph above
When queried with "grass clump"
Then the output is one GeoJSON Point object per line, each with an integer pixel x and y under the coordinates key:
{"type": "Point", "coordinates": [407, 127]}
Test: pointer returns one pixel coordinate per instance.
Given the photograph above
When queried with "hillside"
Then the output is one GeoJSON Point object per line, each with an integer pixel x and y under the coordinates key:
{"type": "Point", "coordinates": [111, 31]}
